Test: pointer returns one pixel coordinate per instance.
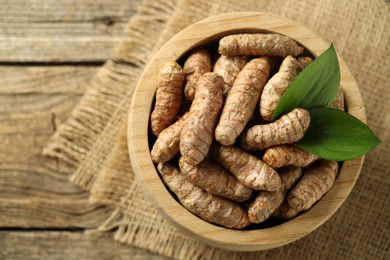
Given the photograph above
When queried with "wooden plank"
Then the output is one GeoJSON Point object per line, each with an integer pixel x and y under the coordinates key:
{"type": "Point", "coordinates": [26, 124]}
{"type": "Point", "coordinates": [57, 31]}
{"type": "Point", "coordinates": [35, 190]}
{"type": "Point", "coordinates": [60, 212]}
{"type": "Point", "coordinates": [22, 148]}
{"type": "Point", "coordinates": [38, 11]}
{"type": "Point", "coordinates": [45, 79]}
{"type": "Point", "coordinates": [27, 180]}
{"type": "Point", "coordinates": [44, 95]}
{"type": "Point", "coordinates": [37, 193]}
{"type": "Point", "coordinates": [57, 48]}
{"type": "Point", "coordinates": [67, 245]}
{"type": "Point", "coordinates": [30, 119]}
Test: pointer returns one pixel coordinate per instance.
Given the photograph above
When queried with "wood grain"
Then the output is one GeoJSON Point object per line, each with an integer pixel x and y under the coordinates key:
{"type": "Point", "coordinates": [22, 119]}
{"type": "Point", "coordinates": [67, 245]}
{"type": "Point", "coordinates": [65, 30]}
{"type": "Point", "coordinates": [45, 79]}
{"type": "Point", "coordinates": [40, 11]}
{"type": "Point", "coordinates": [37, 97]}
{"type": "Point", "coordinates": [207, 31]}
{"type": "Point", "coordinates": [35, 190]}
{"type": "Point", "coordinates": [60, 212]}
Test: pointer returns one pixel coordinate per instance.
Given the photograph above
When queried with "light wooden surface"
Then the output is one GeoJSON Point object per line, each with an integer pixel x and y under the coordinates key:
{"type": "Point", "coordinates": [49, 50]}
{"type": "Point", "coordinates": [66, 245]}
{"type": "Point", "coordinates": [207, 31]}
{"type": "Point", "coordinates": [61, 30]}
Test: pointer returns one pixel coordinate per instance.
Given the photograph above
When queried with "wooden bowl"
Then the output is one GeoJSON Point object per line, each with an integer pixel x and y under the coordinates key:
{"type": "Point", "coordinates": [200, 33]}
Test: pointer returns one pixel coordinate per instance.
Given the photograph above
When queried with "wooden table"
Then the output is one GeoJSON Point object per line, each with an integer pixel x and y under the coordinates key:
{"type": "Point", "coordinates": [49, 50]}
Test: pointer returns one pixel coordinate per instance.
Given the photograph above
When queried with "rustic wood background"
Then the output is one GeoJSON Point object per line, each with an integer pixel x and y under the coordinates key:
{"type": "Point", "coordinates": [49, 50]}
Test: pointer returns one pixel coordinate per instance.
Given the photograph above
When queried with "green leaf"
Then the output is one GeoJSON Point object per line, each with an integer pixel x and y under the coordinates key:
{"type": "Point", "coordinates": [315, 86]}
{"type": "Point", "coordinates": [336, 135]}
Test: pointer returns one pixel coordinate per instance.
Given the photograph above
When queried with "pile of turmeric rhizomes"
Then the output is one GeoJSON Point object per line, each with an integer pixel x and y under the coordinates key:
{"type": "Point", "coordinates": [209, 154]}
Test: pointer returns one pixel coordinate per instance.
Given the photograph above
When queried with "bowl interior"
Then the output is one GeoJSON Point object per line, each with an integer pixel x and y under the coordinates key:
{"type": "Point", "coordinates": [208, 32]}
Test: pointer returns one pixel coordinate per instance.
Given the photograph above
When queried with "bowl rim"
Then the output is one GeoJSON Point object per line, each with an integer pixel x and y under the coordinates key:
{"type": "Point", "coordinates": [242, 240]}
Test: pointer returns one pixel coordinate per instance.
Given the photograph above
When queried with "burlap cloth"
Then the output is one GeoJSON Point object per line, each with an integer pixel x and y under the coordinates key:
{"type": "Point", "coordinates": [91, 138]}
